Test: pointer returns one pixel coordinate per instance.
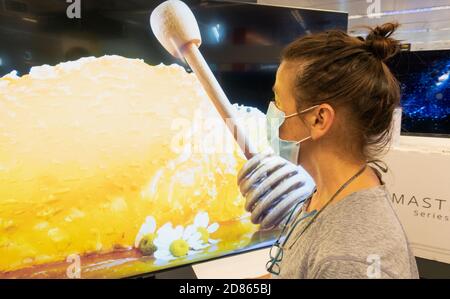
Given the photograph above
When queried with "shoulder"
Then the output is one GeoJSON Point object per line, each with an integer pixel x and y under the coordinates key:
{"type": "Point", "coordinates": [364, 214]}
{"type": "Point", "coordinates": [367, 212]}
{"type": "Point", "coordinates": [350, 267]}
{"type": "Point", "coordinates": [359, 230]}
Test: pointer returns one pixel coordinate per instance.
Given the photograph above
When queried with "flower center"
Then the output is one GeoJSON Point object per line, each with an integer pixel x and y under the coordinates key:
{"type": "Point", "coordinates": [179, 248]}
{"type": "Point", "coordinates": [146, 245]}
{"type": "Point", "coordinates": [204, 234]}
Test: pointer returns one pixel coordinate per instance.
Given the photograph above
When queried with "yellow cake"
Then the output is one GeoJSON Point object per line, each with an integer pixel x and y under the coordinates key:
{"type": "Point", "coordinates": [90, 148]}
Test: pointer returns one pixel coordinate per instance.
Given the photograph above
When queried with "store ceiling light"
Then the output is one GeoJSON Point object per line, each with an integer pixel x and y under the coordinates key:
{"type": "Point", "coordinates": [30, 20]}
{"type": "Point", "coordinates": [404, 31]}
{"type": "Point", "coordinates": [400, 12]}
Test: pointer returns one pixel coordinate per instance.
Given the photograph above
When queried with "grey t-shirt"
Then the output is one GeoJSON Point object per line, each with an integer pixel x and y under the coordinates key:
{"type": "Point", "coordinates": [359, 236]}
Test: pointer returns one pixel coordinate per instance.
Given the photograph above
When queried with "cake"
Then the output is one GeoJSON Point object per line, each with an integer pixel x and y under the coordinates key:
{"type": "Point", "coordinates": [93, 149]}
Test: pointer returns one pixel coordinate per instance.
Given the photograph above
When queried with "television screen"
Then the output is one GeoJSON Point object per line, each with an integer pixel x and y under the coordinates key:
{"type": "Point", "coordinates": [425, 87]}
{"type": "Point", "coordinates": [98, 179]}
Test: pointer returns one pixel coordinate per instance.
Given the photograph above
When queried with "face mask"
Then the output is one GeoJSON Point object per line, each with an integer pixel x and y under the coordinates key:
{"type": "Point", "coordinates": [288, 150]}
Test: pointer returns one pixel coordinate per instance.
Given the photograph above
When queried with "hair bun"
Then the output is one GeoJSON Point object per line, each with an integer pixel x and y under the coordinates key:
{"type": "Point", "coordinates": [379, 42]}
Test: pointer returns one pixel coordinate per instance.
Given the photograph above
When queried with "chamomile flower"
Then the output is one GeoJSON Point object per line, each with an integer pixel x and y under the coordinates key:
{"type": "Point", "coordinates": [201, 225]}
{"type": "Point", "coordinates": [147, 232]}
{"type": "Point", "coordinates": [176, 242]}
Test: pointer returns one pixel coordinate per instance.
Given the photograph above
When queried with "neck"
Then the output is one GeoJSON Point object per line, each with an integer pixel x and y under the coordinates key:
{"type": "Point", "coordinates": [330, 173]}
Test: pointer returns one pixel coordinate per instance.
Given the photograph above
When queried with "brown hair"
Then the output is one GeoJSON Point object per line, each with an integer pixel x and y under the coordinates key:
{"type": "Point", "coordinates": [349, 73]}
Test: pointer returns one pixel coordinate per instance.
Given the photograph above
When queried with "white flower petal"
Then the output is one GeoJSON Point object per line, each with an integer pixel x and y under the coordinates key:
{"type": "Point", "coordinates": [201, 220]}
{"type": "Point", "coordinates": [162, 252]}
{"type": "Point", "coordinates": [178, 232]}
{"type": "Point", "coordinates": [213, 248]}
{"type": "Point", "coordinates": [148, 227]}
{"type": "Point", "coordinates": [191, 229]}
{"type": "Point", "coordinates": [151, 222]}
{"type": "Point", "coordinates": [192, 252]}
{"type": "Point", "coordinates": [170, 235]}
{"type": "Point", "coordinates": [212, 241]}
{"type": "Point", "coordinates": [160, 262]}
{"type": "Point", "coordinates": [165, 228]}
{"type": "Point", "coordinates": [161, 242]}
{"type": "Point", "coordinates": [166, 235]}
{"type": "Point", "coordinates": [213, 227]}
{"type": "Point", "coordinates": [199, 246]}
{"type": "Point", "coordinates": [195, 244]}
{"type": "Point", "coordinates": [194, 238]}
{"type": "Point", "coordinates": [163, 255]}
{"type": "Point", "coordinates": [191, 257]}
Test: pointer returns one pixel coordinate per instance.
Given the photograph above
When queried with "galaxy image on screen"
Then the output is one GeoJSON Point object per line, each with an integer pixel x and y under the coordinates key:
{"type": "Point", "coordinates": [425, 88]}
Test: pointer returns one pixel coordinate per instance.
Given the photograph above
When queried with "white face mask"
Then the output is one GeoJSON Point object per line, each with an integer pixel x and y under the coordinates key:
{"type": "Point", "coordinates": [288, 150]}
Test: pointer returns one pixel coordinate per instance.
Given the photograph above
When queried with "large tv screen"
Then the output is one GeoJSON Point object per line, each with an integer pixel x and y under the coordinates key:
{"type": "Point", "coordinates": [91, 182]}
{"type": "Point", "coordinates": [425, 88]}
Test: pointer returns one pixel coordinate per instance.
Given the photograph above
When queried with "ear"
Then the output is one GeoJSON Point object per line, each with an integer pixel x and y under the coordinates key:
{"type": "Point", "coordinates": [320, 120]}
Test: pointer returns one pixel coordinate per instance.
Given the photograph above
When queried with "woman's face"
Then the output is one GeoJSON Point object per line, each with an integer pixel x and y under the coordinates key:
{"type": "Point", "coordinates": [293, 128]}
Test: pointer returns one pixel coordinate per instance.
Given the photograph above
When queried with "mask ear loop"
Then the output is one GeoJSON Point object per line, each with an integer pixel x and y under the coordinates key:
{"type": "Point", "coordinates": [304, 139]}
{"type": "Point", "coordinates": [291, 115]}
{"type": "Point", "coordinates": [310, 108]}
{"type": "Point", "coordinates": [306, 110]}
{"type": "Point", "coordinates": [298, 113]}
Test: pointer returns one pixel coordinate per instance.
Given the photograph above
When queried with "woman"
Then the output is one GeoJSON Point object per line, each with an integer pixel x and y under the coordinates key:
{"type": "Point", "coordinates": [336, 97]}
